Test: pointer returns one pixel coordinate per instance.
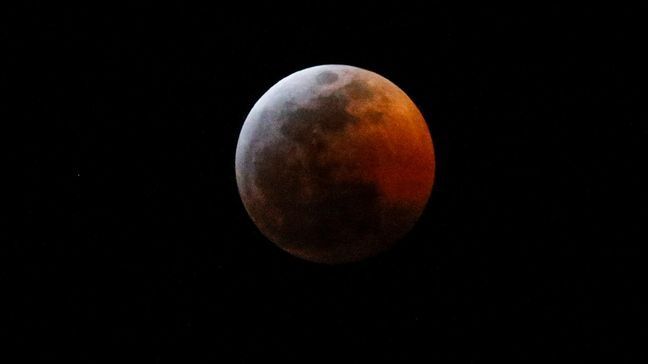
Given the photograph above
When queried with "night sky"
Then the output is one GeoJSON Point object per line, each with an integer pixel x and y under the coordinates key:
{"type": "Point", "coordinates": [135, 245]}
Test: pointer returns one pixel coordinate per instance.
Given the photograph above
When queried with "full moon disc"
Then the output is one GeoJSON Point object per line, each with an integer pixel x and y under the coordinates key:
{"type": "Point", "coordinates": [334, 164]}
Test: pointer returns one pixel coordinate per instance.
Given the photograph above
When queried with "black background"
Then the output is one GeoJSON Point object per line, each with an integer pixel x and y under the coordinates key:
{"type": "Point", "coordinates": [135, 245]}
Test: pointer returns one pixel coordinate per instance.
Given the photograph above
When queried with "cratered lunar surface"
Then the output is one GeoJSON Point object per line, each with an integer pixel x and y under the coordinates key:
{"type": "Point", "coordinates": [334, 164]}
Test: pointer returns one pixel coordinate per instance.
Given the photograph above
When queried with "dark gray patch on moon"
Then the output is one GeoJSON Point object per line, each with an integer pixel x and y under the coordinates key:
{"type": "Point", "coordinates": [359, 90]}
{"type": "Point", "coordinates": [327, 113]}
{"type": "Point", "coordinates": [327, 77]}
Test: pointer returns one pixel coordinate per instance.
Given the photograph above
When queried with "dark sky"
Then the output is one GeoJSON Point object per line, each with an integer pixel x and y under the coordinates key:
{"type": "Point", "coordinates": [133, 233]}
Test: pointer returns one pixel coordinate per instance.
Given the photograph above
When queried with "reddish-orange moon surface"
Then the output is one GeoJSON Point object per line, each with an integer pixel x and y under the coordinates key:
{"type": "Point", "coordinates": [334, 164]}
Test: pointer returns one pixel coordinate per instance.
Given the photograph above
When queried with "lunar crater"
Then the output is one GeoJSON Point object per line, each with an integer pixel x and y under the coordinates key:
{"type": "Point", "coordinates": [327, 77]}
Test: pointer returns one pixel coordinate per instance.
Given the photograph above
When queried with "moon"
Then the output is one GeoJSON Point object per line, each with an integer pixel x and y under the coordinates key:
{"type": "Point", "coordinates": [334, 164]}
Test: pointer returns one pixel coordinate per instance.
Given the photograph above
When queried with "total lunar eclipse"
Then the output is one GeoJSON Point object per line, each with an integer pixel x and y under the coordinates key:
{"type": "Point", "coordinates": [334, 164]}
